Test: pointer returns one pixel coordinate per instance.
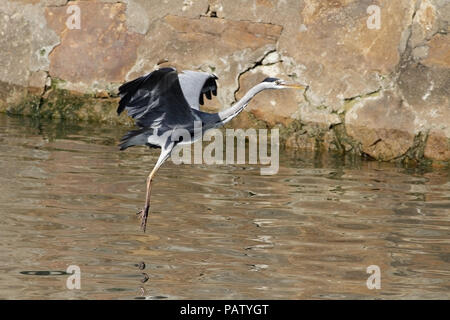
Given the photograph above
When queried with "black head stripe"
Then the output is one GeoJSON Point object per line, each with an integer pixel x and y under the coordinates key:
{"type": "Point", "coordinates": [270, 79]}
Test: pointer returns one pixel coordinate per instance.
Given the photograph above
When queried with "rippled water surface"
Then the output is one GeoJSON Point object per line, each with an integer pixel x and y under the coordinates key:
{"type": "Point", "coordinates": [69, 197]}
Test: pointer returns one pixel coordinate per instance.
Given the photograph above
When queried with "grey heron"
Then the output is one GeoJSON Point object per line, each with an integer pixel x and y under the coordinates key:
{"type": "Point", "coordinates": [163, 101]}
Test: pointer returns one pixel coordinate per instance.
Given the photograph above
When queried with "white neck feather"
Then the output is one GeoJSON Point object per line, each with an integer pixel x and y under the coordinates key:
{"type": "Point", "coordinates": [228, 114]}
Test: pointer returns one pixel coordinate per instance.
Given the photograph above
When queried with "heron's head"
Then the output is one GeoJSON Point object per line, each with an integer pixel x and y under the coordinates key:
{"type": "Point", "coordinates": [275, 83]}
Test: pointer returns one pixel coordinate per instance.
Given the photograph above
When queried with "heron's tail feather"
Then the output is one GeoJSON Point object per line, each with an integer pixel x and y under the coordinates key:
{"type": "Point", "coordinates": [135, 138]}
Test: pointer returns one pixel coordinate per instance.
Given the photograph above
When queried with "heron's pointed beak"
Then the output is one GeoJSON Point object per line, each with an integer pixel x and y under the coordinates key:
{"type": "Point", "coordinates": [295, 86]}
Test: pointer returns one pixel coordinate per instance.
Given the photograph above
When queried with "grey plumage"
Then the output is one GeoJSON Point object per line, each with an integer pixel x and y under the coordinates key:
{"type": "Point", "coordinates": [195, 85]}
{"type": "Point", "coordinates": [163, 101]}
{"type": "Point", "coordinates": [155, 99]}
{"type": "Point", "coordinates": [136, 138]}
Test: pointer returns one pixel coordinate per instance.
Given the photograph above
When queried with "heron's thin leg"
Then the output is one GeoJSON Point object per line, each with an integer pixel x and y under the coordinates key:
{"type": "Point", "coordinates": [144, 213]}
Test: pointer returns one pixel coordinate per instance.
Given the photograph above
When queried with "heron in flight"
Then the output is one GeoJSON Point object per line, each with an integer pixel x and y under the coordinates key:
{"type": "Point", "coordinates": [163, 101]}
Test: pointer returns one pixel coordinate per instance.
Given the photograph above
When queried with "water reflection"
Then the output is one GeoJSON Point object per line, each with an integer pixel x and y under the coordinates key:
{"type": "Point", "coordinates": [68, 197]}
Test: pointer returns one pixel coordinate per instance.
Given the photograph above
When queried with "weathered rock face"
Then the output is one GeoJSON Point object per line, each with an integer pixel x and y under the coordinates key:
{"type": "Point", "coordinates": [335, 51]}
{"type": "Point", "coordinates": [100, 52]}
{"type": "Point", "coordinates": [270, 106]}
{"type": "Point", "coordinates": [382, 125]}
{"type": "Point", "coordinates": [25, 42]}
{"type": "Point", "coordinates": [225, 48]}
{"type": "Point", "coordinates": [378, 84]}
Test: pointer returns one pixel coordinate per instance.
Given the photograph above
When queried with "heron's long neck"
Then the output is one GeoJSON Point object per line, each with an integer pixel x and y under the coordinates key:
{"type": "Point", "coordinates": [228, 114]}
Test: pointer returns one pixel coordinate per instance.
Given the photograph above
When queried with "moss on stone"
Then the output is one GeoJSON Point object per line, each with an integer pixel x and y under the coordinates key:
{"type": "Point", "coordinates": [29, 106]}
{"type": "Point", "coordinates": [415, 154]}
{"type": "Point", "coordinates": [61, 104]}
{"type": "Point", "coordinates": [343, 142]}
{"type": "Point", "coordinates": [295, 127]}
{"type": "Point", "coordinates": [311, 136]}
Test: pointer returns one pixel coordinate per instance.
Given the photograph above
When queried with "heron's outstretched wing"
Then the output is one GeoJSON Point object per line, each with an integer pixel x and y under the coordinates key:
{"type": "Point", "coordinates": [197, 84]}
{"type": "Point", "coordinates": [156, 100]}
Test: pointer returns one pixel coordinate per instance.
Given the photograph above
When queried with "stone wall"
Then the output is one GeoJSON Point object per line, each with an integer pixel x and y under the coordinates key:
{"type": "Point", "coordinates": [377, 90]}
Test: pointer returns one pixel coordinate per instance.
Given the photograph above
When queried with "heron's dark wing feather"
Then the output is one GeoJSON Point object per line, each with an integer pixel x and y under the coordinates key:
{"type": "Point", "coordinates": [209, 87]}
{"type": "Point", "coordinates": [156, 100]}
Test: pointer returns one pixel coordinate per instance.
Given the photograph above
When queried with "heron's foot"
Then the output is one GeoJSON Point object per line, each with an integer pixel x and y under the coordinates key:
{"type": "Point", "coordinates": [143, 215]}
